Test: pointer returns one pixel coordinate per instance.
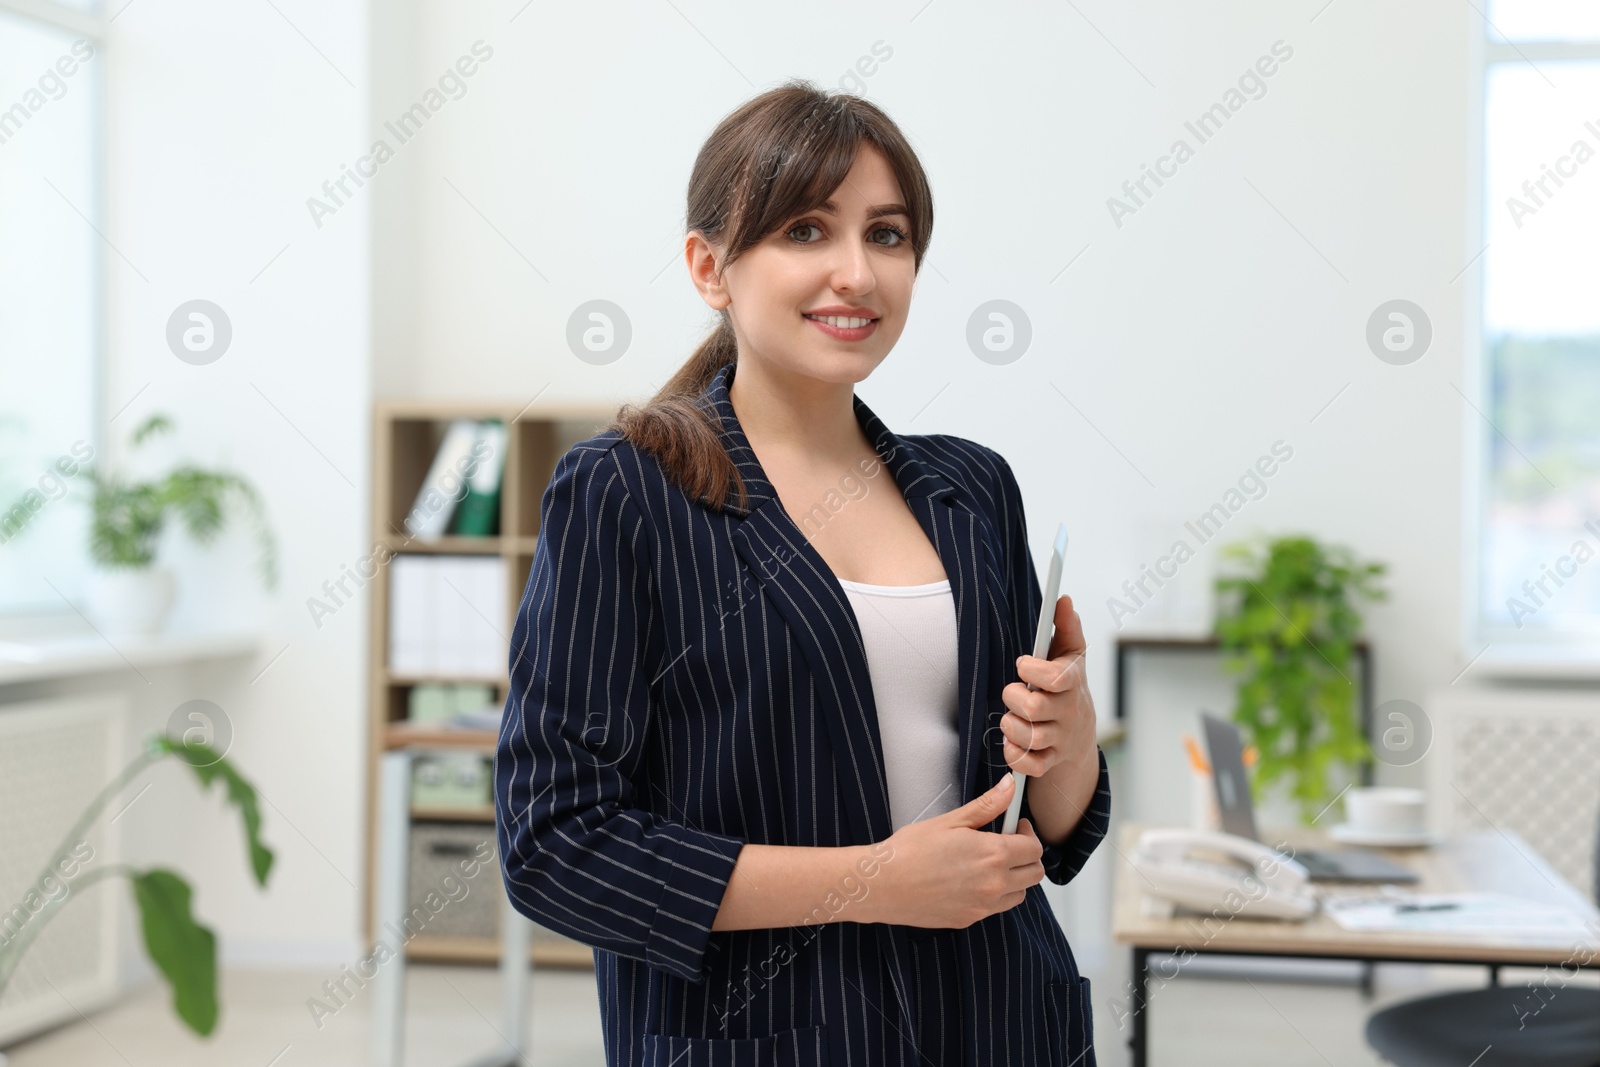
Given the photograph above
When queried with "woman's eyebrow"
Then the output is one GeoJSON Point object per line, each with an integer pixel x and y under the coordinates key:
{"type": "Point", "coordinates": [875, 212]}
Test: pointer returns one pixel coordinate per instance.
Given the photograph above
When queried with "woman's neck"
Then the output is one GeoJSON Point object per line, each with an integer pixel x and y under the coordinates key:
{"type": "Point", "coordinates": [796, 418]}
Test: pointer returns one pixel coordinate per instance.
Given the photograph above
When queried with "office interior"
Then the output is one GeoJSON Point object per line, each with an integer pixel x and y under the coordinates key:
{"type": "Point", "coordinates": [1294, 296]}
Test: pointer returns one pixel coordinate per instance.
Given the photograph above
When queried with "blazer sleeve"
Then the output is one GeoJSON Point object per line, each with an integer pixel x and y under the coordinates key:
{"type": "Point", "coordinates": [579, 855]}
{"type": "Point", "coordinates": [1062, 861]}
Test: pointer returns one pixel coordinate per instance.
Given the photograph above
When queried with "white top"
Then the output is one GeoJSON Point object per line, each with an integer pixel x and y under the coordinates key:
{"type": "Point", "coordinates": [909, 632]}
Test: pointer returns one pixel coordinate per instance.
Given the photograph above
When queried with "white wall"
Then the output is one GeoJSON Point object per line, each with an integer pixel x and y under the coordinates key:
{"type": "Point", "coordinates": [222, 120]}
{"type": "Point", "coordinates": [1188, 341]}
{"type": "Point", "coordinates": [1224, 316]}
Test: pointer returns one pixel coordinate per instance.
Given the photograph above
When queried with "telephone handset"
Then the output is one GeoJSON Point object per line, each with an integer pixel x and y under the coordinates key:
{"type": "Point", "coordinates": [1205, 870]}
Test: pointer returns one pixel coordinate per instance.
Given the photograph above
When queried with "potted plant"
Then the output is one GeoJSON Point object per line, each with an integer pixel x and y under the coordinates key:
{"type": "Point", "coordinates": [1287, 622]}
{"type": "Point", "coordinates": [127, 593]}
{"type": "Point", "coordinates": [183, 949]}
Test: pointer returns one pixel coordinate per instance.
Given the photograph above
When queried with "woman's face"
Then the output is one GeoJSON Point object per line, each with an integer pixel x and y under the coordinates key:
{"type": "Point", "coordinates": [848, 260]}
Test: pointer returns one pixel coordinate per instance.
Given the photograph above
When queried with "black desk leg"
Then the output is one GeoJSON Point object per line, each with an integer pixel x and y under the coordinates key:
{"type": "Point", "coordinates": [1367, 969]}
{"type": "Point", "coordinates": [1139, 1043]}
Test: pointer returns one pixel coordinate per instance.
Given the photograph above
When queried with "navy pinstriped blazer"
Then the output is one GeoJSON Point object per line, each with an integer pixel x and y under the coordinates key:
{"type": "Point", "coordinates": [685, 680]}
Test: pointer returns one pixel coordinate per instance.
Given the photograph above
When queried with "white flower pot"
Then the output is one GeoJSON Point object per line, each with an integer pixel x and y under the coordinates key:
{"type": "Point", "coordinates": [132, 601]}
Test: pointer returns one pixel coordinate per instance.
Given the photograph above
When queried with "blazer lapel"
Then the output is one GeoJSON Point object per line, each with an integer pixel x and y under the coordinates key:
{"type": "Point", "coordinates": [805, 591]}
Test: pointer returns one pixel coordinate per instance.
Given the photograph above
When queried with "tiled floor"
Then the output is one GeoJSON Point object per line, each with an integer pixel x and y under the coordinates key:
{"type": "Point", "coordinates": [453, 1011]}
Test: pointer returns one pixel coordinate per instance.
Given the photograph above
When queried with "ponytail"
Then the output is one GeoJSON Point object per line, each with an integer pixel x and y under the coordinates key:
{"type": "Point", "coordinates": [684, 436]}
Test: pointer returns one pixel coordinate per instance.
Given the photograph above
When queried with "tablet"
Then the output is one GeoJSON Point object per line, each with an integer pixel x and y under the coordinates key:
{"type": "Point", "coordinates": [1041, 649]}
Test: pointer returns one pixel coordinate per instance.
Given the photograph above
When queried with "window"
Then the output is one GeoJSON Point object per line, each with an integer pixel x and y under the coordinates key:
{"type": "Point", "coordinates": [1537, 553]}
{"type": "Point", "coordinates": [51, 259]}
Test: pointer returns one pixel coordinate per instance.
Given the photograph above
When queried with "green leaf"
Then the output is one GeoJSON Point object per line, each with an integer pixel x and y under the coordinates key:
{"type": "Point", "coordinates": [1287, 623]}
{"type": "Point", "coordinates": [185, 951]}
{"type": "Point", "coordinates": [209, 765]}
{"type": "Point", "coordinates": [153, 425]}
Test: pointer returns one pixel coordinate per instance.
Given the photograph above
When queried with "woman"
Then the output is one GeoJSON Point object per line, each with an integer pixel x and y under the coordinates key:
{"type": "Point", "coordinates": [757, 741]}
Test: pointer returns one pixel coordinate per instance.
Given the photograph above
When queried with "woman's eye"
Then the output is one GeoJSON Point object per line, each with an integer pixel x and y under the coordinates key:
{"type": "Point", "coordinates": [803, 226]}
{"type": "Point", "coordinates": [900, 235]}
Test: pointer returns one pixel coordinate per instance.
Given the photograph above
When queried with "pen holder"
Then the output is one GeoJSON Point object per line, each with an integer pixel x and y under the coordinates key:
{"type": "Point", "coordinates": [1203, 813]}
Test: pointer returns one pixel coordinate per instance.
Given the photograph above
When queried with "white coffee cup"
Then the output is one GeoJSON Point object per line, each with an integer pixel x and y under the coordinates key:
{"type": "Point", "coordinates": [1386, 810]}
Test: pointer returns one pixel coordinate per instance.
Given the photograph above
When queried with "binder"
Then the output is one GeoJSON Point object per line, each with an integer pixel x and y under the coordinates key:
{"type": "Point", "coordinates": [412, 607]}
{"type": "Point", "coordinates": [445, 483]}
{"type": "Point", "coordinates": [447, 616]}
{"type": "Point", "coordinates": [479, 512]}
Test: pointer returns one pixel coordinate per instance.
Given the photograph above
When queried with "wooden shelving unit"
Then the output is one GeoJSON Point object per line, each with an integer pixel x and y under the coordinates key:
{"type": "Point", "coordinates": [406, 435]}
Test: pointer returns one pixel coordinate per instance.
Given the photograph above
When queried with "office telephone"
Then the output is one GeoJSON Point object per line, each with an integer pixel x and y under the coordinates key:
{"type": "Point", "coordinates": [1208, 871]}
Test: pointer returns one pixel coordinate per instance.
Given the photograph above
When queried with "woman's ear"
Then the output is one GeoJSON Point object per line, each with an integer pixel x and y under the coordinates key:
{"type": "Point", "coordinates": [703, 259]}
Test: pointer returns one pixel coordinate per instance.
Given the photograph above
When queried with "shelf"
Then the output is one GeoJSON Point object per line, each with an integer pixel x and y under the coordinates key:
{"type": "Point", "coordinates": [405, 409]}
{"type": "Point", "coordinates": [427, 735]}
{"type": "Point", "coordinates": [461, 546]}
{"type": "Point", "coordinates": [501, 680]}
{"type": "Point", "coordinates": [436, 949]}
{"type": "Point", "coordinates": [456, 546]}
{"type": "Point", "coordinates": [406, 435]}
{"type": "Point", "coordinates": [483, 814]}
{"type": "Point", "coordinates": [1194, 642]}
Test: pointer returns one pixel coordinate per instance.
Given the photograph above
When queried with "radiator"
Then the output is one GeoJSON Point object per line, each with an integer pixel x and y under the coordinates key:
{"type": "Point", "coordinates": [1520, 759]}
{"type": "Point", "coordinates": [55, 756]}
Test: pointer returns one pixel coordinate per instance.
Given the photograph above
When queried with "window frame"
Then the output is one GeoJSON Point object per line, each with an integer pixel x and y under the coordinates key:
{"type": "Point", "coordinates": [92, 26]}
{"type": "Point", "coordinates": [1485, 648]}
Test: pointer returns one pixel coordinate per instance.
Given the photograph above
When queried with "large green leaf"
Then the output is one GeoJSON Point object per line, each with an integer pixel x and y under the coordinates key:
{"type": "Point", "coordinates": [209, 765]}
{"type": "Point", "coordinates": [185, 951]}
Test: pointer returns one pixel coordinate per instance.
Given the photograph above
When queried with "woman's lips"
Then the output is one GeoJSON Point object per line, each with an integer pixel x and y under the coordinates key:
{"type": "Point", "coordinates": [844, 333]}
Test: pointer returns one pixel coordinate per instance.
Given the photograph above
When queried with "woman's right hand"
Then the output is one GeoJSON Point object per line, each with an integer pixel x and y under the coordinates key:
{"type": "Point", "coordinates": [944, 872]}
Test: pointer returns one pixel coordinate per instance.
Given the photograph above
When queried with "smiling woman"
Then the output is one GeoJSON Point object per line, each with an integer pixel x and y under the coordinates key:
{"type": "Point", "coordinates": [725, 716]}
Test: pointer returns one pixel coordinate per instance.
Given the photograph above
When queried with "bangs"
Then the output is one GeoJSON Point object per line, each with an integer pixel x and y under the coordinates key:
{"type": "Point", "coordinates": [797, 171]}
{"type": "Point", "coordinates": [784, 154]}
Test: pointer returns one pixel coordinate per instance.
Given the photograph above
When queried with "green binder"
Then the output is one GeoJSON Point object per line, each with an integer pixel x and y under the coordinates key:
{"type": "Point", "coordinates": [478, 515]}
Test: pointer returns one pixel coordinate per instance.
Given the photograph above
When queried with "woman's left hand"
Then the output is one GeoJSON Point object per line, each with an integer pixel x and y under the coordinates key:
{"type": "Point", "coordinates": [1055, 722]}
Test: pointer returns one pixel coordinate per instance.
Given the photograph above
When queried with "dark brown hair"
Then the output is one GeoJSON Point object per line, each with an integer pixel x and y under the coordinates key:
{"type": "Point", "coordinates": [778, 155]}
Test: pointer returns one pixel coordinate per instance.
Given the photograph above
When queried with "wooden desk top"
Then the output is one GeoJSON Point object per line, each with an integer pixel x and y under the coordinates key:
{"type": "Point", "coordinates": [1490, 861]}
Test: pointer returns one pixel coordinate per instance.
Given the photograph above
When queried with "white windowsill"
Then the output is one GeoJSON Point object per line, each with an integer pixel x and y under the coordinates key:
{"type": "Point", "coordinates": [35, 649]}
{"type": "Point", "coordinates": [1553, 663]}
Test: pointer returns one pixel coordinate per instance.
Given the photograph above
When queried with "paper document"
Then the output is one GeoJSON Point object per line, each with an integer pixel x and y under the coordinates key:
{"type": "Point", "coordinates": [1488, 914]}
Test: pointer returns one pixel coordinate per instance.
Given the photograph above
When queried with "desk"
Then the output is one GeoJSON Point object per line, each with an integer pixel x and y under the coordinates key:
{"type": "Point", "coordinates": [1489, 861]}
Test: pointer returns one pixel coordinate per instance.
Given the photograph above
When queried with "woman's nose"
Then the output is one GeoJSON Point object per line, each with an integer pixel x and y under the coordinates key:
{"type": "Point", "coordinates": [852, 270]}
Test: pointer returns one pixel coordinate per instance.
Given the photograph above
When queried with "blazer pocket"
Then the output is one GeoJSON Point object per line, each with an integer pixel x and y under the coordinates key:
{"type": "Point", "coordinates": [805, 1047]}
{"type": "Point", "coordinates": [1072, 1022]}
